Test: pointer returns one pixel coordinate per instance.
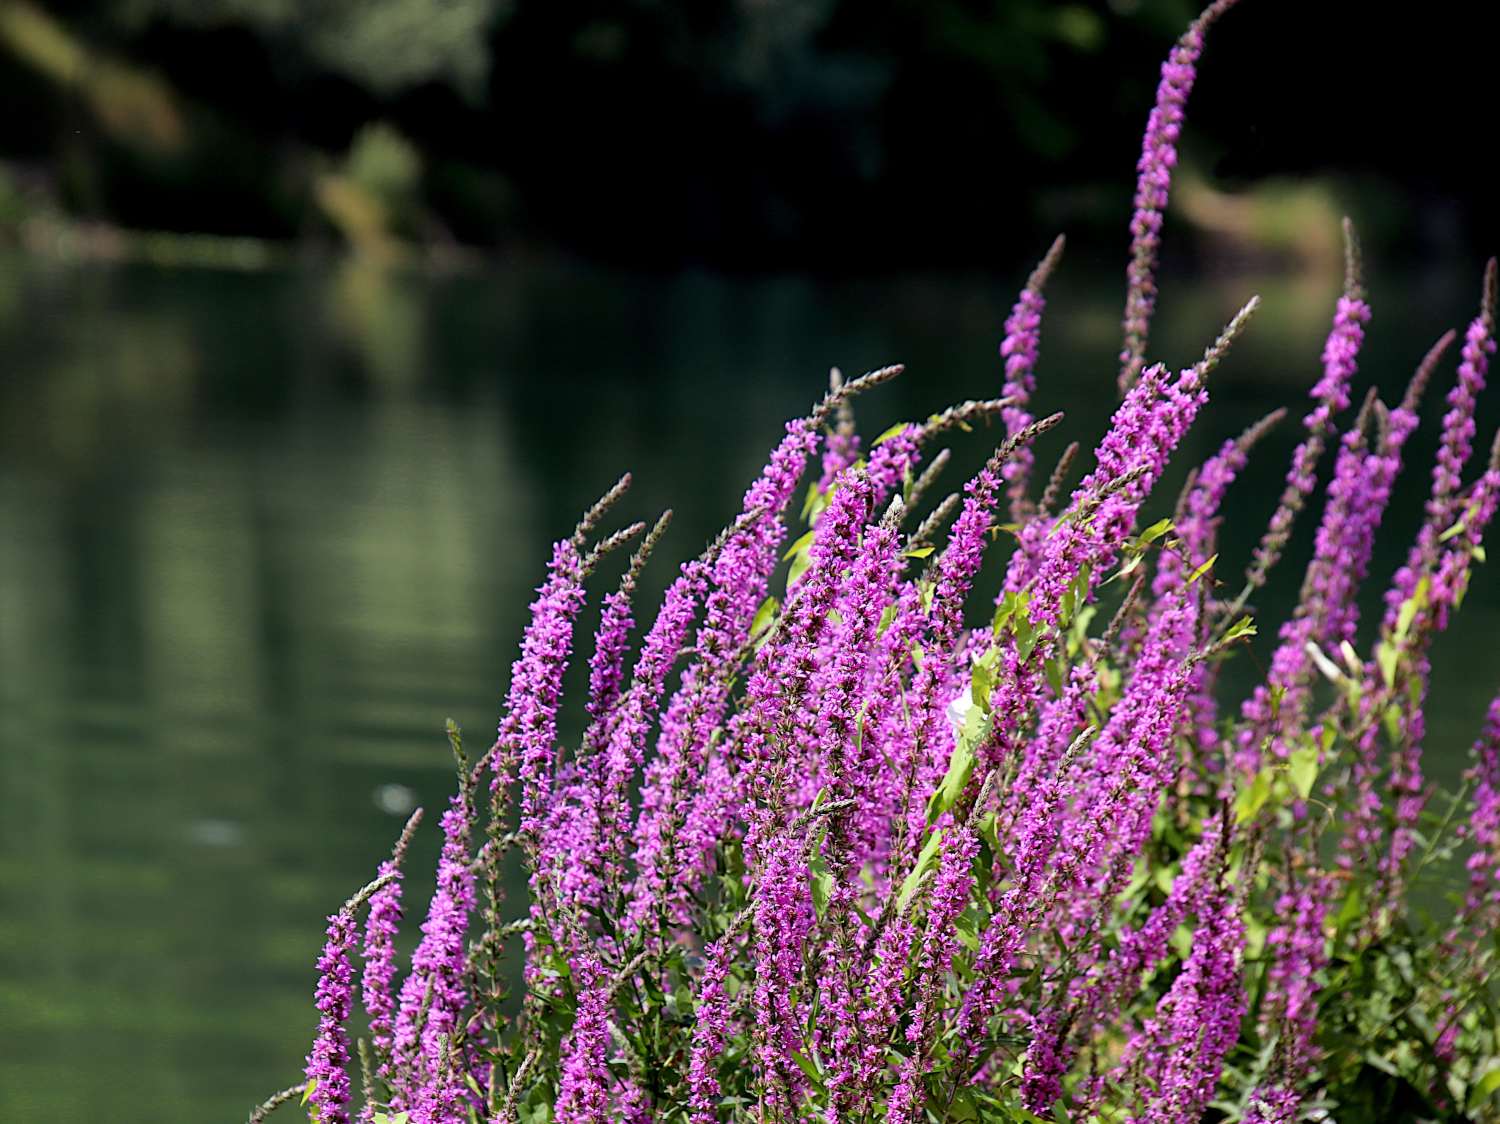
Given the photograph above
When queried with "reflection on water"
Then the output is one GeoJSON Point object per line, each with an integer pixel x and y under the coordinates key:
{"type": "Point", "coordinates": [261, 533]}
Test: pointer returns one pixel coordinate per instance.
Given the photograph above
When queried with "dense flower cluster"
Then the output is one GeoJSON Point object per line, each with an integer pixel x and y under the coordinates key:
{"type": "Point", "coordinates": [829, 846]}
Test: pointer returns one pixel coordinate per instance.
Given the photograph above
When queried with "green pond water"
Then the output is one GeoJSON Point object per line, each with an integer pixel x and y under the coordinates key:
{"type": "Point", "coordinates": [261, 533]}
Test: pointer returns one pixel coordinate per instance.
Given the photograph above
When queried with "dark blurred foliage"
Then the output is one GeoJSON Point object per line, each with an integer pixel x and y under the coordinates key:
{"type": "Point", "coordinates": [745, 133]}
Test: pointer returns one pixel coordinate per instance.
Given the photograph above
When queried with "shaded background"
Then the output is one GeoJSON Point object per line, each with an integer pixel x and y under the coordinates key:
{"type": "Point", "coordinates": [319, 319]}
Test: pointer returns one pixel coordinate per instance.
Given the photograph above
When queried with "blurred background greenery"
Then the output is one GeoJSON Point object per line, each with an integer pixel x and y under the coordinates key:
{"type": "Point", "coordinates": [319, 319]}
{"type": "Point", "coordinates": [824, 134]}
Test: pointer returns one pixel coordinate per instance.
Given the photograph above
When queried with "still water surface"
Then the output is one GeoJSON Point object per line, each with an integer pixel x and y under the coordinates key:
{"type": "Point", "coordinates": [261, 533]}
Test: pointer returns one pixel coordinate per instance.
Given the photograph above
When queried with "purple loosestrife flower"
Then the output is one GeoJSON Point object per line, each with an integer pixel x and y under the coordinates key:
{"type": "Point", "coordinates": [1273, 1104]}
{"type": "Point", "coordinates": [1022, 902]}
{"type": "Point", "coordinates": [435, 994]}
{"type": "Point", "coordinates": [739, 578]}
{"type": "Point", "coordinates": [1197, 531]}
{"type": "Point", "coordinates": [326, 1064]}
{"type": "Point", "coordinates": [625, 752]}
{"type": "Point", "coordinates": [607, 664]}
{"type": "Point", "coordinates": [573, 817]}
{"type": "Point", "coordinates": [849, 690]}
{"type": "Point", "coordinates": [1112, 982]}
{"type": "Point", "coordinates": [861, 563]}
{"type": "Point", "coordinates": [783, 918]}
{"type": "Point", "coordinates": [927, 757]}
{"type": "Point", "coordinates": [1454, 449]}
{"type": "Point", "coordinates": [841, 444]}
{"type": "Point", "coordinates": [1330, 395]}
{"type": "Point", "coordinates": [1019, 351]}
{"type": "Point", "coordinates": [589, 819]}
{"type": "Point", "coordinates": [1297, 950]}
{"type": "Point", "coordinates": [1481, 905]}
{"type": "Point", "coordinates": [530, 721]}
{"type": "Point", "coordinates": [887, 730]}
{"type": "Point", "coordinates": [1143, 433]}
{"type": "Point", "coordinates": [1132, 762]}
{"type": "Point", "coordinates": [1061, 719]}
{"type": "Point", "coordinates": [840, 450]}
{"type": "Point", "coordinates": [766, 733]}
{"type": "Point", "coordinates": [1344, 543]}
{"type": "Point", "coordinates": [892, 460]}
{"type": "Point", "coordinates": [947, 900]}
{"type": "Point", "coordinates": [381, 926]}
{"type": "Point", "coordinates": [1449, 581]}
{"type": "Point", "coordinates": [583, 1087]}
{"type": "Point", "coordinates": [1154, 171]}
{"type": "Point", "coordinates": [1179, 1054]}
{"type": "Point", "coordinates": [885, 998]}
{"type": "Point", "coordinates": [711, 1031]}
{"type": "Point", "coordinates": [852, 768]}
{"type": "Point", "coordinates": [1478, 916]}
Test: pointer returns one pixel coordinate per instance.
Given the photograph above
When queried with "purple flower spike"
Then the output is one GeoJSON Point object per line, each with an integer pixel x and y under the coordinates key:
{"type": "Point", "coordinates": [1330, 395]}
{"type": "Point", "coordinates": [1454, 450]}
{"type": "Point", "coordinates": [583, 1091]}
{"type": "Point", "coordinates": [381, 926]}
{"type": "Point", "coordinates": [1019, 350]}
{"type": "Point", "coordinates": [1154, 169]}
{"type": "Point", "coordinates": [1177, 1056]}
{"type": "Point", "coordinates": [435, 994]}
{"type": "Point", "coordinates": [328, 1062]}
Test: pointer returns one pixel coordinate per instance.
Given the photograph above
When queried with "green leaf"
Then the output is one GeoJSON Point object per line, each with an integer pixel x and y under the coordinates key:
{"type": "Point", "coordinates": [925, 862]}
{"type": "Point", "coordinates": [983, 678]}
{"type": "Point", "coordinates": [1302, 767]}
{"type": "Point", "coordinates": [822, 884]}
{"type": "Point", "coordinates": [889, 433]}
{"type": "Point", "coordinates": [1251, 799]}
{"type": "Point", "coordinates": [1245, 626]}
{"type": "Point", "coordinates": [1484, 1088]}
{"type": "Point", "coordinates": [1352, 909]}
{"type": "Point", "coordinates": [918, 552]}
{"type": "Point", "coordinates": [760, 627]}
{"type": "Point", "coordinates": [1155, 531]}
{"type": "Point", "coordinates": [1203, 569]}
{"type": "Point", "coordinates": [1027, 634]}
{"type": "Point", "coordinates": [1057, 672]}
{"type": "Point", "coordinates": [1392, 721]}
{"type": "Point", "coordinates": [1129, 568]}
{"type": "Point", "coordinates": [311, 1085]}
{"type": "Point", "coordinates": [800, 546]}
{"type": "Point", "coordinates": [798, 568]}
{"type": "Point", "coordinates": [809, 1067]}
{"type": "Point", "coordinates": [976, 728]}
{"type": "Point", "coordinates": [1409, 609]}
{"type": "Point", "coordinates": [1076, 596]}
{"type": "Point", "coordinates": [1453, 531]}
{"type": "Point", "coordinates": [1386, 655]}
{"type": "Point", "coordinates": [1011, 606]}
{"type": "Point", "coordinates": [813, 505]}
